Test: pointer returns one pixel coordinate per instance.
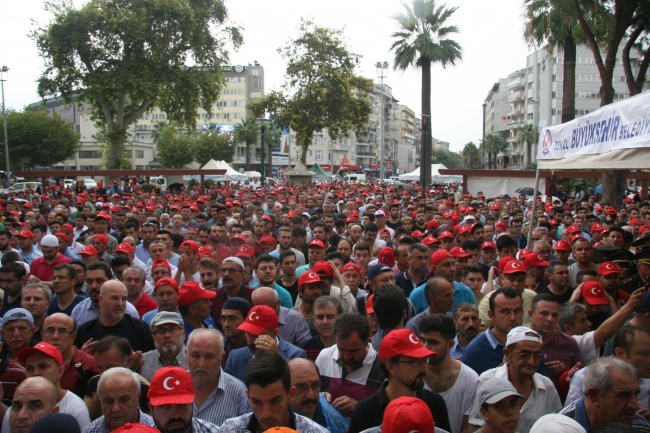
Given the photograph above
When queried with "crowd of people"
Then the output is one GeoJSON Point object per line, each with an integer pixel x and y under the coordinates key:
{"type": "Point", "coordinates": [322, 308]}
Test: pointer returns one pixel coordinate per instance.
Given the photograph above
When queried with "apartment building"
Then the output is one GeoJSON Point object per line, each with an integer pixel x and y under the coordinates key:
{"type": "Point", "coordinates": [496, 108]}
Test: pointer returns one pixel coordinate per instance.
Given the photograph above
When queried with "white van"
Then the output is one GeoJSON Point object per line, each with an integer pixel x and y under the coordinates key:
{"type": "Point", "coordinates": [355, 178]}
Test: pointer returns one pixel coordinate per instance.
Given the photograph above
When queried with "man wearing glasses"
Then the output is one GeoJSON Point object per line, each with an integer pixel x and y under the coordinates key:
{"type": "Point", "coordinates": [79, 367]}
{"type": "Point", "coordinates": [403, 360]}
{"type": "Point", "coordinates": [522, 353]}
{"type": "Point", "coordinates": [168, 337]}
{"type": "Point", "coordinates": [232, 278]}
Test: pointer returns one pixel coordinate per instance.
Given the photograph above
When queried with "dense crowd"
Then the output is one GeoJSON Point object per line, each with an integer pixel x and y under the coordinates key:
{"type": "Point", "coordinates": [314, 308]}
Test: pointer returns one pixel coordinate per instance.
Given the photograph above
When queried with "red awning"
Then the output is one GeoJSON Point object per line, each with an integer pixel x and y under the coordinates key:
{"type": "Point", "coordinates": [373, 165]}
{"type": "Point", "coordinates": [326, 167]}
{"type": "Point", "coordinates": [351, 167]}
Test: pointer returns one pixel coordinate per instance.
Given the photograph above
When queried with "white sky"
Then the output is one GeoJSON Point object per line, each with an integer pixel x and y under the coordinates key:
{"type": "Point", "coordinates": [490, 34]}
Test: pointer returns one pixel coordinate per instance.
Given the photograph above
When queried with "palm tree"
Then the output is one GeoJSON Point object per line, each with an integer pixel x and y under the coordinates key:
{"type": "Point", "coordinates": [551, 23]}
{"type": "Point", "coordinates": [272, 137]}
{"type": "Point", "coordinates": [421, 41]}
{"type": "Point", "coordinates": [470, 154]}
{"type": "Point", "coordinates": [246, 132]}
{"type": "Point", "coordinates": [493, 145]}
{"type": "Point", "coordinates": [527, 136]}
{"type": "Point", "coordinates": [157, 129]}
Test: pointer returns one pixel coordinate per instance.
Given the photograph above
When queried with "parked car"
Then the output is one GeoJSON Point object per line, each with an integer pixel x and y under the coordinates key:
{"type": "Point", "coordinates": [21, 187]}
{"type": "Point", "coordinates": [90, 184]}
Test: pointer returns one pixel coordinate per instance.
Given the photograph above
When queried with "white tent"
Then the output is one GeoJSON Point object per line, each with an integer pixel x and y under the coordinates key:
{"type": "Point", "coordinates": [231, 174]}
{"type": "Point", "coordinates": [435, 175]}
{"type": "Point", "coordinates": [614, 137]}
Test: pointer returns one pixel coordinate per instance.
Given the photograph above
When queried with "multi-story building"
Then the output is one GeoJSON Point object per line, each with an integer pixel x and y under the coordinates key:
{"type": "Point", "coordinates": [408, 138]}
{"type": "Point", "coordinates": [496, 109]}
{"type": "Point", "coordinates": [243, 85]}
{"type": "Point", "coordinates": [511, 156]}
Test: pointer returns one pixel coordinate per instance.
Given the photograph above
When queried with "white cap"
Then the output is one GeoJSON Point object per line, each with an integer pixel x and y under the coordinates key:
{"type": "Point", "coordinates": [469, 217]}
{"type": "Point", "coordinates": [522, 333]}
{"type": "Point", "coordinates": [234, 260]}
{"type": "Point", "coordinates": [50, 241]}
{"type": "Point", "coordinates": [380, 212]}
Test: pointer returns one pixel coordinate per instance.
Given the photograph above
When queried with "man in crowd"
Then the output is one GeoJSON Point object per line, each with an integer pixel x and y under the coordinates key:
{"type": "Point", "coordinates": [17, 331]}
{"type": "Point", "coordinates": [165, 293]}
{"type": "Point", "coordinates": [65, 298]}
{"type": "Point", "coordinates": [169, 336]}
{"type": "Point", "coordinates": [467, 324]}
{"type": "Point", "coordinates": [440, 296]}
{"type": "Point", "coordinates": [13, 278]}
{"type": "Point", "coordinates": [35, 397]}
{"type": "Point", "coordinates": [233, 313]}
{"type": "Point", "coordinates": [293, 328]}
{"type": "Point", "coordinates": [232, 275]}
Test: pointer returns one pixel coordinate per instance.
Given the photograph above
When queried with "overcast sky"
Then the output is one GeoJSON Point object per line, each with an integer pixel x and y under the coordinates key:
{"type": "Point", "coordinates": [490, 34]}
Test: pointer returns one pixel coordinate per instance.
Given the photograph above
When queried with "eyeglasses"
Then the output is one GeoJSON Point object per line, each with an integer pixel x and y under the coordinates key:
{"type": "Point", "coordinates": [163, 331]}
{"type": "Point", "coordinates": [525, 356]}
{"type": "Point", "coordinates": [415, 363]}
{"type": "Point", "coordinates": [302, 388]}
{"type": "Point", "coordinates": [61, 332]}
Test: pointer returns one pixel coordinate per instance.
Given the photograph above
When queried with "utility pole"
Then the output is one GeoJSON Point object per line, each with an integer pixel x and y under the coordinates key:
{"type": "Point", "coordinates": [382, 69]}
{"type": "Point", "coordinates": [7, 180]}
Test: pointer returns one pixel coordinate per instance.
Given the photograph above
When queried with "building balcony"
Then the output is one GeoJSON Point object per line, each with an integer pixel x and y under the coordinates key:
{"type": "Point", "coordinates": [512, 140]}
{"type": "Point", "coordinates": [519, 96]}
{"type": "Point", "coordinates": [516, 84]}
{"type": "Point", "coordinates": [365, 154]}
{"type": "Point", "coordinates": [516, 112]}
{"type": "Point", "coordinates": [515, 125]}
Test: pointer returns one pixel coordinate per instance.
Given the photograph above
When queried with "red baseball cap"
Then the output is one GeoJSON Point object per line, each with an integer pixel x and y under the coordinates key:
{"type": "Point", "coordinates": [88, 250]}
{"type": "Point", "coordinates": [309, 277]}
{"type": "Point", "coordinates": [488, 244]}
{"type": "Point", "coordinates": [44, 348]}
{"type": "Point", "coordinates": [534, 259]}
{"type": "Point", "coordinates": [369, 308]}
{"type": "Point", "coordinates": [417, 234]}
{"type": "Point", "coordinates": [245, 251]}
{"type": "Point", "coordinates": [316, 243]}
{"type": "Point", "coordinates": [573, 229]}
{"type": "Point", "coordinates": [503, 261]}
{"type": "Point", "coordinates": [597, 228]}
{"type": "Point", "coordinates": [459, 253]}
{"type": "Point", "coordinates": [439, 256]}
{"type": "Point", "coordinates": [608, 268]}
{"type": "Point", "coordinates": [387, 256]}
{"type": "Point", "coordinates": [323, 268]}
{"type": "Point", "coordinates": [124, 248]}
{"type": "Point", "coordinates": [171, 385]}
{"type": "Point", "coordinates": [402, 342]}
{"type": "Point", "coordinates": [562, 246]}
{"type": "Point", "coordinates": [514, 267]}
{"type": "Point", "coordinates": [612, 211]}
{"type": "Point", "coordinates": [408, 414]}
{"type": "Point", "coordinates": [62, 236]}
{"type": "Point", "coordinates": [594, 293]}
{"type": "Point", "coordinates": [237, 238]}
{"type": "Point", "coordinates": [576, 237]}
{"type": "Point", "coordinates": [267, 218]}
{"type": "Point", "coordinates": [267, 241]}
{"type": "Point", "coordinates": [160, 262]}
{"type": "Point", "coordinates": [464, 229]}
{"type": "Point", "coordinates": [25, 234]}
{"type": "Point", "coordinates": [190, 245]}
{"type": "Point", "coordinates": [190, 292]}
{"type": "Point", "coordinates": [135, 428]}
{"type": "Point", "coordinates": [260, 319]}
{"type": "Point", "coordinates": [430, 240]}
{"type": "Point", "coordinates": [445, 234]}
{"type": "Point", "coordinates": [100, 238]}
{"type": "Point", "coordinates": [432, 225]}
{"type": "Point", "coordinates": [166, 281]}
{"type": "Point", "coordinates": [351, 267]}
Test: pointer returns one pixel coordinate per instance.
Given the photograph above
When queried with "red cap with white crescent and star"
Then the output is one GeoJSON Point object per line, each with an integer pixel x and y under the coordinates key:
{"type": "Point", "coordinates": [514, 267]}
{"type": "Point", "coordinates": [310, 277]}
{"type": "Point", "coordinates": [402, 342]}
{"type": "Point", "coordinates": [171, 385]}
{"type": "Point", "coordinates": [593, 293]}
{"type": "Point", "coordinates": [608, 268]}
{"type": "Point", "coordinates": [261, 318]}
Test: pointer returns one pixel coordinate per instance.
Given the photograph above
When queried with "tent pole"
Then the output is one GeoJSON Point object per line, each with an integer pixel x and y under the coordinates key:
{"type": "Point", "coordinates": [532, 211]}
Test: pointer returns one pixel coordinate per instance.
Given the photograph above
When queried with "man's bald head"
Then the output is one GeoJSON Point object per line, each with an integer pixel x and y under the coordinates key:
{"type": "Point", "coordinates": [265, 296]}
{"type": "Point", "coordinates": [34, 398]}
{"type": "Point", "coordinates": [112, 285]}
{"type": "Point", "coordinates": [60, 318]}
{"type": "Point", "coordinates": [301, 364]}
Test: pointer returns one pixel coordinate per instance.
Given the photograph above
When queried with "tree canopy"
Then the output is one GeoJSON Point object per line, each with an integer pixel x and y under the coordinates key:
{"type": "Point", "coordinates": [123, 57]}
{"type": "Point", "coordinates": [321, 89]}
{"type": "Point", "coordinates": [174, 148]}
{"type": "Point", "coordinates": [38, 138]}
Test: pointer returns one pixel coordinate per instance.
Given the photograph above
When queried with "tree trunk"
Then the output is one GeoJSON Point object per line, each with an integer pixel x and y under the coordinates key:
{"type": "Point", "coordinates": [303, 154]}
{"type": "Point", "coordinates": [569, 84]}
{"type": "Point", "coordinates": [425, 166]}
{"type": "Point", "coordinates": [248, 156]}
{"type": "Point", "coordinates": [270, 160]}
{"type": "Point", "coordinates": [115, 151]}
{"type": "Point", "coordinates": [614, 184]}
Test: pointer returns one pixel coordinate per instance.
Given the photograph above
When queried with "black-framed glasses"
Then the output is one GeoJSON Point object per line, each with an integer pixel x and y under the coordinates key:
{"type": "Point", "coordinates": [525, 356]}
{"type": "Point", "coordinates": [415, 363]}
{"type": "Point", "coordinates": [302, 388]}
{"type": "Point", "coordinates": [163, 331]}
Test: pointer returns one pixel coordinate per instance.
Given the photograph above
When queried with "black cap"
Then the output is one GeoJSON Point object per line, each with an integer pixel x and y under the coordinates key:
{"type": "Point", "coordinates": [55, 423]}
{"type": "Point", "coordinates": [607, 251]}
{"type": "Point", "coordinates": [643, 257]}
{"type": "Point", "coordinates": [239, 304]}
{"type": "Point", "coordinates": [622, 257]}
{"type": "Point", "coordinates": [641, 245]}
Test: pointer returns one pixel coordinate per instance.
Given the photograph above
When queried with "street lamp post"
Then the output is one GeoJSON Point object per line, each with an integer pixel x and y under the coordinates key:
{"type": "Point", "coordinates": [382, 70]}
{"type": "Point", "coordinates": [3, 71]}
{"type": "Point", "coordinates": [262, 121]}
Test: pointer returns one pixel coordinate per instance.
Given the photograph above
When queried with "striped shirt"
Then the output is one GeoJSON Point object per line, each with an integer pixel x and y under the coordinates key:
{"type": "Point", "coordinates": [201, 426]}
{"type": "Point", "coordinates": [248, 423]}
{"type": "Point", "coordinates": [227, 401]}
{"type": "Point", "coordinates": [542, 400]}
{"type": "Point", "coordinates": [100, 426]}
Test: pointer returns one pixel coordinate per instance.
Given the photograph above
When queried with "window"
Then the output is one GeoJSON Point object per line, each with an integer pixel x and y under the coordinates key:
{"type": "Point", "coordinates": [318, 155]}
{"type": "Point", "coordinates": [531, 70]}
{"type": "Point", "coordinates": [89, 154]}
{"type": "Point", "coordinates": [256, 95]}
{"type": "Point", "coordinates": [558, 60]}
{"type": "Point", "coordinates": [530, 116]}
{"type": "Point", "coordinates": [620, 96]}
{"type": "Point", "coordinates": [582, 112]}
{"type": "Point", "coordinates": [139, 153]}
{"type": "Point", "coordinates": [556, 111]}
{"type": "Point", "coordinates": [226, 115]}
{"type": "Point", "coordinates": [256, 84]}
{"type": "Point", "coordinates": [557, 95]}
{"type": "Point", "coordinates": [587, 95]}
{"type": "Point", "coordinates": [558, 77]}
{"type": "Point", "coordinates": [318, 139]}
{"type": "Point", "coordinates": [255, 72]}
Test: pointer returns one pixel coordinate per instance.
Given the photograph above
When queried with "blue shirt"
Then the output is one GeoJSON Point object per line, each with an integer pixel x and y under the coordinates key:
{"type": "Point", "coordinates": [462, 293]}
{"type": "Point", "coordinates": [142, 253]}
{"type": "Point", "coordinates": [302, 269]}
{"type": "Point", "coordinates": [209, 323]}
{"type": "Point", "coordinates": [457, 350]}
{"type": "Point", "coordinates": [283, 294]}
{"type": "Point", "coordinates": [34, 254]}
{"type": "Point", "coordinates": [239, 358]}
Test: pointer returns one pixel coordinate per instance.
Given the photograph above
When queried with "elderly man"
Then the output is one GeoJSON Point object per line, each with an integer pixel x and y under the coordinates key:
{"type": "Point", "coordinates": [171, 395]}
{"type": "Point", "coordinates": [232, 273]}
{"type": "Point", "coordinates": [403, 360]}
{"type": "Point", "coordinates": [135, 280]}
{"type": "Point", "coordinates": [36, 299]}
{"type": "Point", "coordinates": [113, 320]}
{"type": "Point", "coordinates": [118, 391]}
{"type": "Point", "coordinates": [610, 391]}
{"type": "Point", "coordinates": [219, 396]}
{"type": "Point", "coordinates": [34, 398]}
{"type": "Point", "coordinates": [17, 332]}
{"type": "Point", "coordinates": [261, 326]}
{"type": "Point", "coordinates": [45, 360]}
{"type": "Point", "coordinates": [307, 400]}
{"type": "Point", "coordinates": [168, 336]}
{"type": "Point", "coordinates": [268, 384]}
{"type": "Point", "coordinates": [59, 330]}
{"type": "Point", "coordinates": [293, 328]}
{"type": "Point", "coordinates": [522, 353]}
{"type": "Point", "coordinates": [97, 274]}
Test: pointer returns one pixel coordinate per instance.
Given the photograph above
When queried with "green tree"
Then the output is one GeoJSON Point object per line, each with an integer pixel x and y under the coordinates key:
{"type": "Point", "coordinates": [124, 57]}
{"type": "Point", "coordinates": [157, 129]}
{"type": "Point", "coordinates": [553, 23]}
{"type": "Point", "coordinates": [212, 146]}
{"type": "Point", "coordinates": [272, 137]}
{"type": "Point", "coordinates": [605, 23]}
{"type": "Point", "coordinates": [493, 145]}
{"type": "Point", "coordinates": [423, 39]}
{"type": "Point", "coordinates": [451, 160]}
{"type": "Point", "coordinates": [247, 132]}
{"type": "Point", "coordinates": [471, 156]}
{"type": "Point", "coordinates": [38, 138]}
{"type": "Point", "coordinates": [175, 150]}
{"type": "Point", "coordinates": [527, 136]}
{"type": "Point", "coordinates": [321, 89]}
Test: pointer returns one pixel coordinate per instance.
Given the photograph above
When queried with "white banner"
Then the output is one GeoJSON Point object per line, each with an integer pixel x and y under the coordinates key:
{"type": "Point", "coordinates": [623, 125]}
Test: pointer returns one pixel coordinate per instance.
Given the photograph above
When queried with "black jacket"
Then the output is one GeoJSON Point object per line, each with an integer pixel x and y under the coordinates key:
{"type": "Point", "coordinates": [135, 330]}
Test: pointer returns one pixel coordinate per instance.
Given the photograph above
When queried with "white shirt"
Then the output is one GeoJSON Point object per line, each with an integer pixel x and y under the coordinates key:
{"type": "Point", "coordinates": [542, 401]}
{"type": "Point", "coordinates": [70, 404]}
{"type": "Point", "coordinates": [587, 346]}
{"type": "Point", "coordinates": [460, 397]}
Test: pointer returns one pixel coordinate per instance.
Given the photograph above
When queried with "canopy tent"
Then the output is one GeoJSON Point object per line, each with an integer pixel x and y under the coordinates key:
{"type": "Point", "coordinates": [435, 175]}
{"type": "Point", "coordinates": [231, 174]}
{"type": "Point", "coordinates": [318, 170]}
{"type": "Point", "coordinates": [614, 137]}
